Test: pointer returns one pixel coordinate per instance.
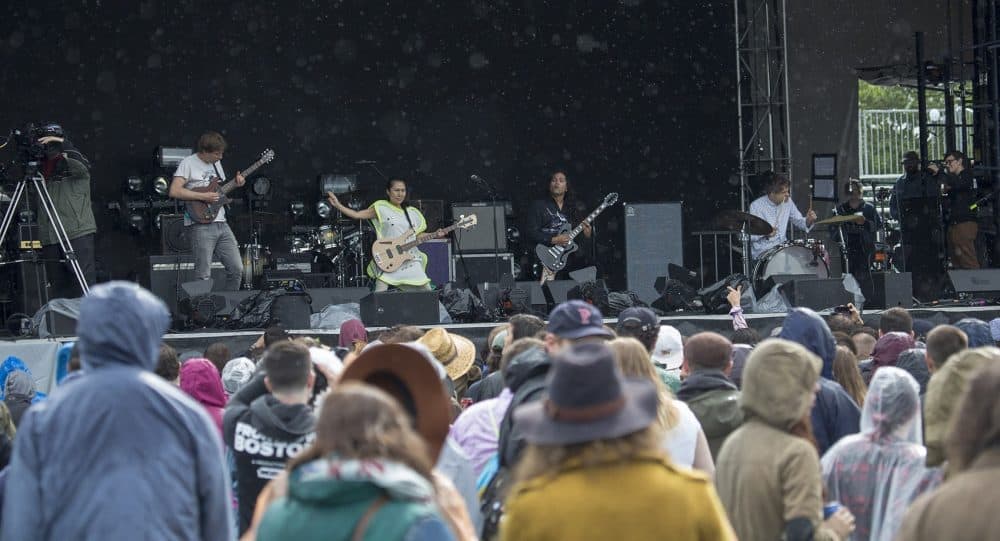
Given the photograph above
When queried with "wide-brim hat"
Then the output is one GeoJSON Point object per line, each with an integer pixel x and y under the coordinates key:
{"type": "Point", "coordinates": [456, 352]}
{"type": "Point", "coordinates": [589, 399]}
{"type": "Point", "coordinates": [409, 377]}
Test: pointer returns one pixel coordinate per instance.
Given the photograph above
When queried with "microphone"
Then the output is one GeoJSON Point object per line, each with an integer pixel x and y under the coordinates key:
{"type": "Point", "coordinates": [475, 178]}
{"type": "Point", "coordinates": [364, 162]}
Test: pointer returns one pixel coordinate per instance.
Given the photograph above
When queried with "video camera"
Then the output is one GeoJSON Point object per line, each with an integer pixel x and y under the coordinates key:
{"type": "Point", "coordinates": [26, 141]}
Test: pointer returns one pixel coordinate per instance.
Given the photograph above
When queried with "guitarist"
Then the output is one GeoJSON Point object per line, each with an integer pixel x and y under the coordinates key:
{"type": "Point", "coordinates": [197, 171]}
{"type": "Point", "coordinates": [549, 215]}
{"type": "Point", "coordinates": [391, 218]}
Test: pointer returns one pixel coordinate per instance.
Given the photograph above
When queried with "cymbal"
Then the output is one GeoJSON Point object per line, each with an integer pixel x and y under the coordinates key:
{"type": "Point", "coordinates": [733, 220]}
{"type": "Point", "coordinates": [856, 218]}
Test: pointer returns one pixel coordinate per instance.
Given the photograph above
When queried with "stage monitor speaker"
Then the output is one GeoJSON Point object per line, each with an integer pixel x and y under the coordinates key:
{"type": "Point", "coordinates": [400, 307]}
{"type": "Point", "coordinates": [173, 235]}
{"type": "Point", "coordinates": [816, 293]}
{"type": "Point", "coordinates": [976, 282]}
{"type": "Point", "coordinates": [653, 240]}
{"type": "Point", "coordinates": [168, 272]}
{"type": "Point", "coordinates": [292, 311]}
{"type": "Point", "coordinates": [433, 211]}
{"type": "Point", "coordinates": [480, 237]}
{"type": "Point", "coordinates": [481, 267]}
{"type": "Point", "coordinates": [891, 289]}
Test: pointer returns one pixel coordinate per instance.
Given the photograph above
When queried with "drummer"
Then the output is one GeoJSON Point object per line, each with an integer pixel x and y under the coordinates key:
{"type": "Point", "coordinates": [777, 209]}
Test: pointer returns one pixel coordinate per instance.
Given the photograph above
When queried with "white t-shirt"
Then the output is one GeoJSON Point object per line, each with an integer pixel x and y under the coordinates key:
{"type": "Point", "coordinates": [681, 440]}
{"type": "Point", "coordinates": [198, 175]}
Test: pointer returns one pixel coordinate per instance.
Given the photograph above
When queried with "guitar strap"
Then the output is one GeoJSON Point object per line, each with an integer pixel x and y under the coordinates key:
{"type": "Point", "coordinates": [218, 173]}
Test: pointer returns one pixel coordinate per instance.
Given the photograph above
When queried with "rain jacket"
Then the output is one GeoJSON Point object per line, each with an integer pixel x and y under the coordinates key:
{"type": "Point", "coordinates": [914, 361]}
{"type": "Point", "coordinates": [835, 413]}
{"type": "Point", "coordinates": [977, 330]}
{"type": "Point", "coordinates": [525, 377]}
{"type": "Point", "coordinates": [263, 433]}
{"type": "Point", "coordinates": [715, 401]}
{"type": "Point", "coordinates": [944, 390]}
{"type": "Point", "coordinates": [886, 353]}
{"type": "Point", "coordinates": [120, 453]}
{"type": "Point", "coordinates": [200, 379]}
{"type": "Point", "coordinates": [876, 474]}
{"type": "Point", "coordinates": [328, 497]}
{"type": "Point", "coordinates": [17, 387]}
{"type": "Point", "coordinates": [769, 479]}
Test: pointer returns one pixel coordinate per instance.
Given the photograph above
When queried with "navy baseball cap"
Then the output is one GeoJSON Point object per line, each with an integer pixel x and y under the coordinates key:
{"type": "Point", "coordinates": [576, 319]}
{"type": "Point", "coordinates": [637, 314]}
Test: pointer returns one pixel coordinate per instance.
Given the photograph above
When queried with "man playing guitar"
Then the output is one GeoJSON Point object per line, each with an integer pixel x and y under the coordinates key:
{"type": "Point", "coordinates": [549, 215]}
{"type": "Point", "coordinates": [197, 171]}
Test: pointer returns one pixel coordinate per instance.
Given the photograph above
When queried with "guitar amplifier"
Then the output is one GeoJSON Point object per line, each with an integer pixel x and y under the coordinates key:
{"type": "Point", "coordinates": [481, 267]}
{"type": "Point", "coordinates": [492, 221]}
{"type": "Point", "coordinates": [294, 262]}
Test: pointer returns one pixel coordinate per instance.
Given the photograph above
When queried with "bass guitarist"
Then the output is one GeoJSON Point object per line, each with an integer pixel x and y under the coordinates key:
{"type": "Point", "coordinates": [391, 218]}
{"type": "Point", "coordinates": [197, 171]}
{"type": "Point", "coordinates": [549, 215]}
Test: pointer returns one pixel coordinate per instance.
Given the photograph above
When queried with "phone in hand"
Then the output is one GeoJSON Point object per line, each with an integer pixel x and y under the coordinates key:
{"type": "Point", "coordinates": [842, 309]}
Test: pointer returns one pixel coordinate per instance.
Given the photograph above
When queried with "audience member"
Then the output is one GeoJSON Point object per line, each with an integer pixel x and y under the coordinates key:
{"type": "Point", "coordinates": [351, 340]}
{"type": "Point", "coordinates": [844, 339]}
{"type": "Point", "coordinates": [218, 354]}
{"type": "Point", "coordinates": [668, 352]}
{"type": "Point", "coordinates": [921, 328]}
{"type": "Point", "coordinates": [887, 350]}
{"type": "Point", "coordinates": [977, 331]}
{"type": "Point", "coordinates": [367, 476]}
{"type": "Point", "coordinates": [520, 326]}
{"type": "Point", "coordinates": [201, 381]}
{"type": "Point", "coordinates": [707, 390]}
{"type": "Point", "coordinates": [943, 342]}
{"type": "Point", "coordinates": [477, 429]}
{"type": "Point", "coordinates": [456, 352]}
{"type": "Point", "coordinates": [399, 334]}
{"type": "Point", "coordinates": [914, 361]}
{"type": "Point", "coordinates": [746, 336]}
{"type": "Point", "coordinates": [118, 453]}
{"type": "Point", "coordinates": [995, 330]}
{"type": "Point", "coordinates": [864, 341]}
{"type": "Point", "coordinates": [943, 393]}
{"type": "Point", "coordinates": [168, 366]}
{"type": "Point", "coordinates": [895, 320]}
{"type": "Point", "coordinates": [840, 323]}
{"type": "Point", "coordinates": [236, 374]}
{"type": "Point", "coordinates": [961, 508]}
{"type": "Point", "coordinates": [18, 386]}
{"type": "Point", "coordinates": [835, 414]}
{"type": "Point", "coordinates": [877, 473]}
{"type": "Point", "coordinates": [492, 385]}
{"type": "Point", "coordinates": [740, 354]}
{"type": "Point", "coordinates": [683, 439]}
{"type": "Point", "coordinates": [768, 475]}
{"type": "Point", "coordinates": [845, 372]}
{"type": "Point", "coordinates": [642, 324]}
{"type": "Point", "coordinates": [593, 465]}
{"type": "Point", "coordinates": [269, 421]}
{"type": "Point", "coordinates": [7, 432]}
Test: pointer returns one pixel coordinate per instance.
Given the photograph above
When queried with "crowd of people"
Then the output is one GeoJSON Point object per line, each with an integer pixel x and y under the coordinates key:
{"type": "Point", "coordinates": [565, 428]}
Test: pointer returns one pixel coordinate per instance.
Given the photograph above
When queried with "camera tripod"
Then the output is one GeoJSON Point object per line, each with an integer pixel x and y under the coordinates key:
{"type": "Point", "coordinates": [32, 175]}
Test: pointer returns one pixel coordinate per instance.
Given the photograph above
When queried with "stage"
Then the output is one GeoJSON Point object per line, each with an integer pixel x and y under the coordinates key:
{"type": "Point", "coordinates": [39, 354]}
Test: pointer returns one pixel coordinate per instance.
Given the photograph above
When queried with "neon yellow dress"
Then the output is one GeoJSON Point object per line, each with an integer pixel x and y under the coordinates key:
{"type": "Point", "coordinates": [390, 222]}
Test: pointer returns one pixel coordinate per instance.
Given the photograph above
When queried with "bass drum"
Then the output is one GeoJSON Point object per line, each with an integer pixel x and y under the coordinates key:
{"type": "Point", "coordinates": [789, 259]}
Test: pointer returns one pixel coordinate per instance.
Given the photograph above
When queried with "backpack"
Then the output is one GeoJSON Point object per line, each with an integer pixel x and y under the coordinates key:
{"type": "Point", "coordinates": [491, 503]}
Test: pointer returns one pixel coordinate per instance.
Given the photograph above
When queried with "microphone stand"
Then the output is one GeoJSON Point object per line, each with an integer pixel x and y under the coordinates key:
{"type": "Point", "coordinates": [496, 241]}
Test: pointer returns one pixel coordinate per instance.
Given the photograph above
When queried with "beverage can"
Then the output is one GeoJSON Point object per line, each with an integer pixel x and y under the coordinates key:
{"type": "Point", "coordinates": [830, 508]}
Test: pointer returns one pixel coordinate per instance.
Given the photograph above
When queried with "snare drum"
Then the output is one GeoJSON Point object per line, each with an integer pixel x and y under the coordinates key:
{"type": "Point", "coordinates": [802, 258]}
{"type": "Point", "coordinates": [255, 258]}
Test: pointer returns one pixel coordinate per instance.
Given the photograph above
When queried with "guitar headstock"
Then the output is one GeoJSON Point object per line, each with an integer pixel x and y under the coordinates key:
{"type": "Point", "coordinates": [266, 156]}
{"type": "Point", "coordinates": [610, 199]}
{"type": "Point", "coordinates": [466, 222]}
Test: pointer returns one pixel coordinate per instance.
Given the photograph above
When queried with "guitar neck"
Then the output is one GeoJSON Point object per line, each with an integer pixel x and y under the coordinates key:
{"type": "Point", "coordinates": [418, 241]}
{"type": "Point", "coordinates": [229, 186]}
{"type": "Point", "coordinates": [579, 228]}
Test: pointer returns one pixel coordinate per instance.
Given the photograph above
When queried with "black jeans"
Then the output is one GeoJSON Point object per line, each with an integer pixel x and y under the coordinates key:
{"type": "Point", "coordinates": [62, 282]}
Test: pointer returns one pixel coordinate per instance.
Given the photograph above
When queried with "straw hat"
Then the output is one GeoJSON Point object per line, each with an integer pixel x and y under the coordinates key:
{"type": "Point", "coordinates": [455, 352]}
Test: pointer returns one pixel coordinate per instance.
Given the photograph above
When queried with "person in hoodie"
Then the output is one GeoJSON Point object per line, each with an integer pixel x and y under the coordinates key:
{"type": "Point", "coordinates": [834, 413]}
{"type": "Point", "coordinates": [131, 455]}
{"type": "Point", "coordinates": [977, 330]}
{"type": "Point", "coordinates": [18, 387]}
{"type": "Point", "coordinates": [887, 350]}
{"type": "Point", "coordinates": [200, 379]}
{"type": "Point", "coordinates": [707, 390]}
{"type": "Point", "coordinates": [269, 421]}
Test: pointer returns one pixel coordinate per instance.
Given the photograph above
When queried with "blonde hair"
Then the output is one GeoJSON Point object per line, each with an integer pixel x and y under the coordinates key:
{"type": "Point", "coordinates": [539, 460]}
{"type": "Point", "coordinates": [633, 359]}
{"type": "Point", "coordinates": [846, 373]}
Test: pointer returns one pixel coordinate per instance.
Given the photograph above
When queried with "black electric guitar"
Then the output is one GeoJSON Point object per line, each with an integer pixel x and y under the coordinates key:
{"type": "Point", "coordinates": [553, 258]}
{"type": "Point", "coordinates": [205, 213]}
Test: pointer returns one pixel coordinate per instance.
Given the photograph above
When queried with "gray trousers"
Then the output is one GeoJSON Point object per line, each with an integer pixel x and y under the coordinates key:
{"type": "Point", "coordinates": [216, 239]}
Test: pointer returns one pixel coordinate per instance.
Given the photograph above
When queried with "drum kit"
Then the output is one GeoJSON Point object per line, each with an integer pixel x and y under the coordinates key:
{"type": "Point", "coordinates": [337, 247]}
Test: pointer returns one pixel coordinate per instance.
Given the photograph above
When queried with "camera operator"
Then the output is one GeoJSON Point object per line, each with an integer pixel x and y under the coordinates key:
{"type": "Point", "coordinates": [68, 183]}
{"type": "Point", "coordinates": [958, 184]}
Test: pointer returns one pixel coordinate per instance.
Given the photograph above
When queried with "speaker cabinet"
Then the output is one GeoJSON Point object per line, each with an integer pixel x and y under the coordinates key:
{"type": "Point", "coordinates": [481, 267]}
{"type": "Point", "coordinates": [891, 289]}
{"type": "Point", "coordinates": [438, 252]}
{"type": "Point", "coordinates": [400, 307]}
{"type": "Point", "coordinates": [173, 235]}
{"type": "Point", "coordinates": [977, 282]}
{"type": "Point", "coordinates": [292, 311]}
{"type": "Point", "coordinates": [817, 293]}
{"type": "Point", "coordinates": [433, 211]}
{"type": "Point", "coordinates": [653, 240]}
{"type": "Point", "coordinates": [491, 219]}
{"type": "Point", "coordinates": [168, 272]}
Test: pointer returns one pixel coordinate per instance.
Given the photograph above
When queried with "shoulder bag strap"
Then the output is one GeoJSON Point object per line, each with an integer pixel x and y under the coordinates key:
{"type": "Point", "coordinates": [359, 529]}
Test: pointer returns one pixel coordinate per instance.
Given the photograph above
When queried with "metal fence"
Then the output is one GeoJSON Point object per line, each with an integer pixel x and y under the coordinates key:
{"type": "Point", "coordinates": [885, 134]}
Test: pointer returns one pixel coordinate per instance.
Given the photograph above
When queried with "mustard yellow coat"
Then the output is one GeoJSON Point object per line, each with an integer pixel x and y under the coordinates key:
{"type": "Point", "coordinates": [645, 498]}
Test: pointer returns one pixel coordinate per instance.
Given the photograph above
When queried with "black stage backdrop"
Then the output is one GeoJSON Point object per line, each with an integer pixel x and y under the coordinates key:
{"type": "Point", "coordinates": [634, 96]}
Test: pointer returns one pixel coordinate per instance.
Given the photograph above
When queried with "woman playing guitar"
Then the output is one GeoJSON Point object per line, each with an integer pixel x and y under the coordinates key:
{"type": "Point", "coordinates": [393, 217]}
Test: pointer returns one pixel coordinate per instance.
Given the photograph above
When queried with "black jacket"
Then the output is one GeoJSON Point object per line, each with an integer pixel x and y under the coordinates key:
{"type": "Point", "coordinates": [263, 434]}
{"type": "Point", "coordinates": [961, 195]}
